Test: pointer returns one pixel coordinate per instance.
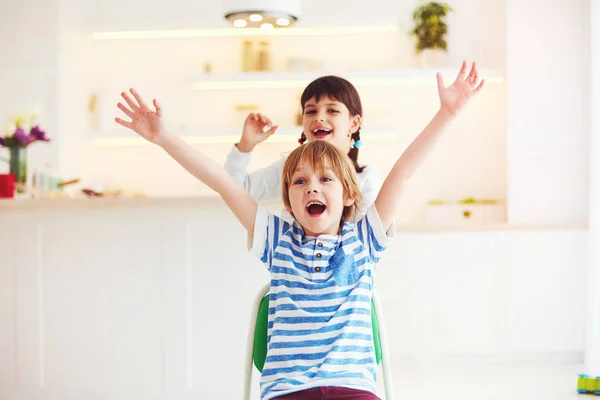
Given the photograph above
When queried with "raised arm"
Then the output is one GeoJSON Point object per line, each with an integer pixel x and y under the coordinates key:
{"type": "Point", "coordinates": [264, 184]}
{"type": "Point", "coordinates": [452, 101]}
{"type": "Point", "coordinates": [148, 124]}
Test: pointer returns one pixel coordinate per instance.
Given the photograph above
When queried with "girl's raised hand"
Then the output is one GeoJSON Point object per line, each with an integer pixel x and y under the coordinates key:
{"type": "Point", "coordinates": [257, 128]}
{"type": "Point", "coordinates": [454, 97]}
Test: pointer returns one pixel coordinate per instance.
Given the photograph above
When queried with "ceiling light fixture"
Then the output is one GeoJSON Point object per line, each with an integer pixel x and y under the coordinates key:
{"type": "Point", "coordinates": [266, 14]}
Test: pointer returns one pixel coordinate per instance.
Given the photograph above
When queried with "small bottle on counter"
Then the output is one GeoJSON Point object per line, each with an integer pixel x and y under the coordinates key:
{"type": "Point", "coordinates": [47, 183]}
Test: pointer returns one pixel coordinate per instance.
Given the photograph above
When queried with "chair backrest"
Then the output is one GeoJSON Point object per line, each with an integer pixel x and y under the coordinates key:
{"type": "Point", "coordinates": [262, 325]}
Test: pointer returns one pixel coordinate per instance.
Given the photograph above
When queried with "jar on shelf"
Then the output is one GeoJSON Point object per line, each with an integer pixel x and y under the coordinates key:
{"type": "Point", "coordinates": [248, 57]}
{"type": "Point", "coordinates": [264, 57]}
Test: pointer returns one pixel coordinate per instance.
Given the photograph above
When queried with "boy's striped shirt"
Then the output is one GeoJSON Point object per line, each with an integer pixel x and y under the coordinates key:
{"type": "Point", "coordinates": [320, 331]}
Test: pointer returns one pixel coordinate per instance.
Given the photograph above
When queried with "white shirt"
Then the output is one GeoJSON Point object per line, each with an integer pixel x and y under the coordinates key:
{"type": "Point", "coordinates": [265, 183]}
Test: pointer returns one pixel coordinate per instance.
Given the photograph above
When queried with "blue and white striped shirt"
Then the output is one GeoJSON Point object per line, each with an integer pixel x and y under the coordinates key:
{"type": "Point", "coordinates": [320, 331]}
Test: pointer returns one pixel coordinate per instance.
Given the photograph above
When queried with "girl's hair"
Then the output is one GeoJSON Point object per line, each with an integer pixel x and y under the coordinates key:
{"type": "Point", "coordinates": [320, 155]}
{"type": "Point", "coordinates": [337, 89]}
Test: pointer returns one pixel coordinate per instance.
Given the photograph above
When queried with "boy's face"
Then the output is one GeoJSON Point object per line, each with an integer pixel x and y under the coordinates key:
{"type": "Point", "coordinates": [329, 120]}
{"type": "Point", "coordinates": [317, 200]}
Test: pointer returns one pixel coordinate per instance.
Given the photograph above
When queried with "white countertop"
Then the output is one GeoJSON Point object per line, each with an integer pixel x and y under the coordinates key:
{"type": "Point", "coordinates": [16, 205]}
{"type": "Point", "coordinates": [106, 202]}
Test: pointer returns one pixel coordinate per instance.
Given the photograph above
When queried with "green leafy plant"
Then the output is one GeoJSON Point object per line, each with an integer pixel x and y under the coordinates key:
{"type": "Point", "coordinates": [430, 28]}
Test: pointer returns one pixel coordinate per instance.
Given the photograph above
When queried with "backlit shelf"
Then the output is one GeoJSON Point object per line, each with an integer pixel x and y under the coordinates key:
{"type": "Point", "coordinates": [288, 135]}
{"type": "Point", "coordinates": [236, 32]}
{"type": "Point", "coordinates": [291, 80]}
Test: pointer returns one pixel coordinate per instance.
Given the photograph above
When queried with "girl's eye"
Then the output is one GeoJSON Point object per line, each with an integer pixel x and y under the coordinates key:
{"type": "Point", "coordinates": [299, 181]}
{"type": "Point", "coordinates": [309, 111]}
{"type": "Point", "coordinates": [333, 110]}
{"type": "Point", "coordinates": [325, 179]}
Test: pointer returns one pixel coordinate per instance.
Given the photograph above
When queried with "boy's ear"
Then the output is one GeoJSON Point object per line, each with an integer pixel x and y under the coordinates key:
{"type": "Point", "coordinates": [348, 201]}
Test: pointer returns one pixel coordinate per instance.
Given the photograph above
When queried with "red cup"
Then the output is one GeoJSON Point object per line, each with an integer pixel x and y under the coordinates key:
{"type": "Point", "coordinates": [7, 186]}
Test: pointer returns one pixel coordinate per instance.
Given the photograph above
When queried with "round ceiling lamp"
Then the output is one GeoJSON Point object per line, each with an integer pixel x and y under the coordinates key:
{"type": "Point", "coordinates": [266, 14]}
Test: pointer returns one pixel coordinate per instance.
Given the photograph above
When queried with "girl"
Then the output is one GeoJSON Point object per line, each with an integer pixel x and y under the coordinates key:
{"type": "Point", "coordinates": [322, 265]}
{"type": "Point", "coordinates": [331, 111]}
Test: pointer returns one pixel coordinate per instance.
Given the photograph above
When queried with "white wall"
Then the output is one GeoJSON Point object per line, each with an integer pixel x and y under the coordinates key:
{"type": "Point", "coordinates": [28, 53]}
{"type": "Point", "coordinates": [547, 78]}
{"type": "Point", "coordinates": [593, 311]}
{"type": "Point", "coordinates": [74, 66]}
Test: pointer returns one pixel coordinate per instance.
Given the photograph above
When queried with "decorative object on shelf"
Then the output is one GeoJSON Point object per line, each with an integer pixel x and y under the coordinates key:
{"type": "Point", "coordinates": [94, 114]}
{"type": "Point", "coordinates": [242, 111]}
{"type": "Point", "coordinates": [264, 56]}
{"type": "Point", "coordinates": [430, 31]}
{"type": "Point", "coordinates": [301, 64]}
{"type": "Point", "coordinates": [298, 119]}
{"type": "Point", "coordinates": [265, 14]}
{"type": "Point", "coordinates": [468, 211]}
{"type": "Point", "coordinates": [256, 58]}
{"type": "Point", "coordinates": [21, 132]}
{"type": "Point", "coordinates": [248, 56]}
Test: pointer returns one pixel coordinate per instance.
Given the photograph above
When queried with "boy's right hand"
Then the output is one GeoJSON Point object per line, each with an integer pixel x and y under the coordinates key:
{"type": "Point", "coordinates": [144, 122]}
{"type": "Point", "coordinates": [257, 128]}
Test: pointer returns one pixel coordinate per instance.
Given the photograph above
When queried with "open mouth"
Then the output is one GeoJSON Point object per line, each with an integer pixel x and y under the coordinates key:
{"type": "Point", "coordinates": [321, 133]}
{"type": "Point", "coordinates": [316, 208]}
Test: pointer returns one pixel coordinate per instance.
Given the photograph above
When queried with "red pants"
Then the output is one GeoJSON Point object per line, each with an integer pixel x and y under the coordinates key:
{"type": "Point", "coordinates": [329, 393]}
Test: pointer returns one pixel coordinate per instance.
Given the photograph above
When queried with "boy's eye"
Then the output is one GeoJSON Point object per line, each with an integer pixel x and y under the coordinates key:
{"type": "Point", "coordinates": [326, 179]}
{"type": "Point", "coordinates": [309, 111]}
{"type": "Point", "coordinates": [333, 110]}
{"type": "Point", "coordinates": [299, 181]}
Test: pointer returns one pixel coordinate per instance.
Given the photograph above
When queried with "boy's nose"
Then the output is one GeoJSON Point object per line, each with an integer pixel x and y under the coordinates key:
{"type": "Point", "coordinates": [312, 191]}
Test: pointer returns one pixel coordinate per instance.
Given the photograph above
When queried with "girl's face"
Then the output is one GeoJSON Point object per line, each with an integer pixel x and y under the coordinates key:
{"type": "Point", "coordinates": [329, 120]}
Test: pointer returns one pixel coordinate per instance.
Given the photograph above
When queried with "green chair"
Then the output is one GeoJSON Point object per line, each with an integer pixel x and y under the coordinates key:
{"type": "Point", "coordinates": [256, 344]}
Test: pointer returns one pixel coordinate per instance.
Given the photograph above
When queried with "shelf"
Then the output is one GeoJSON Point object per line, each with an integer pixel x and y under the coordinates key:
{"type": "Point", "coordinates": [236, 32]}
{"type": "Point", "coordinates": [286, 135]}
{"type": "Point", "coordinates": [294, 80]}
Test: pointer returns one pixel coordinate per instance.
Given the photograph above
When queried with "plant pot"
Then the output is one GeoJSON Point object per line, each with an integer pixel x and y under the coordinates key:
{"type": "Point", "coordinates": [432, 58]}
{"type": "Point", "coordinates": [18, 167]}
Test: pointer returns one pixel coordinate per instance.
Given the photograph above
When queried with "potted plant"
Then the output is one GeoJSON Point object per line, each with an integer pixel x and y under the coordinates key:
{"type": "Point", "coordinates": [20, 133]}
{"type": "Point", "coordinates": [430, 30]}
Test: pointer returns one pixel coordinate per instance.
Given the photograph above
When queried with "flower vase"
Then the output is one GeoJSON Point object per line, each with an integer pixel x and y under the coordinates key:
{"type": "Point", "coordinates": [18, 167]}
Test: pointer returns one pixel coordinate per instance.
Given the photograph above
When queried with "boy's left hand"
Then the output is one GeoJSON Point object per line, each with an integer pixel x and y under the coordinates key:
{"type": "Point", "coordinates": [453, 98]}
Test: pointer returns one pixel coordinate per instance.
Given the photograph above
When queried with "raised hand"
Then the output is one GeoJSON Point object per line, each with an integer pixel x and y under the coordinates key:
{"type": "Point", "coordinates": [144, 121]}
{"type": "Point", "coordinates": [257, 128]}
{"type": "Point", "coordinates": [454, 97]}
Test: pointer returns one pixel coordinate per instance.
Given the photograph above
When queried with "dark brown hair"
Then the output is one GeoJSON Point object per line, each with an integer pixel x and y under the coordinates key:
{"type": "Point", "coordinates": [337, 89]}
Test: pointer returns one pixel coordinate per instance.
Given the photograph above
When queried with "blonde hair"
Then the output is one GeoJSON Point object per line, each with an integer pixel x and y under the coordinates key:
{"type": "Point", "coordinates": [321, 155]}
